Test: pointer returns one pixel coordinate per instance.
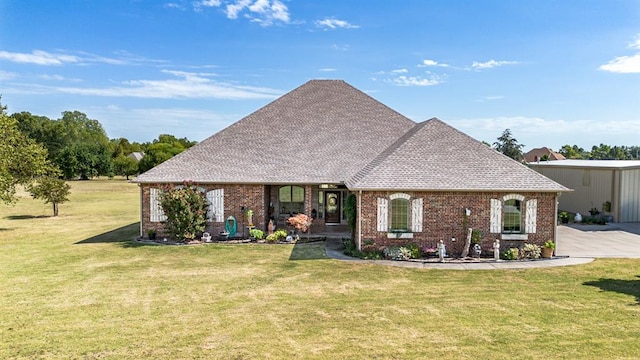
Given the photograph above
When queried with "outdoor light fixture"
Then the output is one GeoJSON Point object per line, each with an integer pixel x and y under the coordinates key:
{"type": "Point", "coordinates": [467, 211]}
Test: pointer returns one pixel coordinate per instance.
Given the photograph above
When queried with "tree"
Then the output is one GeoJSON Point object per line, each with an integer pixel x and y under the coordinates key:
{"type": "Point", "coordinates": [573, 152]}
{"type": "Point", "coordinates": [186, 210]}
{"type": "Point", "coordinates": [509, 146]}
{"type": "Point", "coordinates": [52, 190]}
{"type": "Point", "coordinates": [125, 166]}
{"type": "Point", "coordinates": [21, 159]}
{"type": "Point", "coordinates": [161, 150]}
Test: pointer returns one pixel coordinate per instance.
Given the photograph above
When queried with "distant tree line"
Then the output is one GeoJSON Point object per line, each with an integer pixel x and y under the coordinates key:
{"type": "Point", "coordinates": [509, 146]}
{"type": "Point", "coordinates": [601, 152]}
{"type": "Point", "coordinates": [79, 147]}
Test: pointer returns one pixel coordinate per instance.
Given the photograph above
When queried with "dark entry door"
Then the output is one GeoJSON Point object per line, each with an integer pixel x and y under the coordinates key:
{"type": "Point", "coordinates": [332, 207]}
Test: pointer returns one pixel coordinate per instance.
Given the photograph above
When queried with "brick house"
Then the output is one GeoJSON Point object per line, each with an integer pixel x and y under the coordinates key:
{"type": "Point", "coordinates": [308, 150]}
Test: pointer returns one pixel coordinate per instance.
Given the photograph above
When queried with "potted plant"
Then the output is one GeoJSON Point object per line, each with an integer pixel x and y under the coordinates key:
{"type": "Point", "coordinates": [547, 249]}
{"type": "Point", "coordinates": [151, 234]}
{"type": "Point", "coordinates": [564, 217]}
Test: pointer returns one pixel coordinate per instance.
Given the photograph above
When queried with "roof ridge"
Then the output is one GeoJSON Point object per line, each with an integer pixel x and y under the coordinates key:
{"type": "Point", "coordinates": [388, 151]}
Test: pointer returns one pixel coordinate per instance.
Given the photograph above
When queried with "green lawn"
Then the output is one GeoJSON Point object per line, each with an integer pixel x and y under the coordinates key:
{"type": "Point", "coordinates": [76, 286]}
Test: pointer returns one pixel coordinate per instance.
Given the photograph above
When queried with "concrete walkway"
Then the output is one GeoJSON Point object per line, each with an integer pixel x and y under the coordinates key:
{"type": "Point", "coordinates": [577, 244]}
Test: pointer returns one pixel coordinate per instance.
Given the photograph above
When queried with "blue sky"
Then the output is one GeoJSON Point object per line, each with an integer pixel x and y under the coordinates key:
{"type": "Point", "coordinates": [554, 72]}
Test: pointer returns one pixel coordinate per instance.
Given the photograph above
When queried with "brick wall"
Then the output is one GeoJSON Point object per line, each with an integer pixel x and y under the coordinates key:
{"type": "Point", "coordinates": [443, 219]}
{"type": "Point", "coordinates": [250, 196]}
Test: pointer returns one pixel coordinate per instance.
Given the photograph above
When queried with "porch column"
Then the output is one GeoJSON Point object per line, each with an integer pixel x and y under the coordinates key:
{"type": "Point", "coordinates": [307, 200]}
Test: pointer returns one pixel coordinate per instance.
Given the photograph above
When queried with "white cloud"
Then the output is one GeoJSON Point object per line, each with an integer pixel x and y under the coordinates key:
{"type": "Point", "coordinates": [491, 64]}
{"type": "Point", "coordinates": [625, 64]}
{"type": "Point", "coordinates": [56, 77]}
{"type": "Point", "coordinates": [173, 6]}
{"type": "Point", "coordinates": [199, 5]}
{"type": "Point", "coordinates": [400, 71]}
{"type": "Point", "coordinates": [335, 24]}
{"type": "Point", "coordinates": [415, 81]}
{"type": "Point", "coordinates": [426, 63]}
{"type": "Point", "coordinates": [38, 57]}
{"type": "Point", "coordinates": [327, 70]}
{"type": "Point", "coordinates": [263, 12]}
{"type": "Point", "coordinates": [490, 98]}
{"type": "Point", "coordinates": [5, 75]}
{"type": "Point", "coordinates": [340, 47]}
{"type": "Point", "coordinates": [536, 132]}
{"type": "Point", "coordinates": [145, 124]}
{"type": "Point", "coordinates": [187, 85]}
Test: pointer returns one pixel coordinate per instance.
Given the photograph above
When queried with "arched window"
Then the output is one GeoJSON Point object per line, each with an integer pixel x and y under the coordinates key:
{"type": "Point", "coordinates": [512, 216]}
{"type": "Point", "coordinates": [291, 199]}
{"type": "Point", "coordinates": [400, 214]}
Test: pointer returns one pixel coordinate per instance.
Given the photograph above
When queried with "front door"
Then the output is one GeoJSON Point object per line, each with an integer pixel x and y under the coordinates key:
{"type": "Point", "coordinates": [332, 207]}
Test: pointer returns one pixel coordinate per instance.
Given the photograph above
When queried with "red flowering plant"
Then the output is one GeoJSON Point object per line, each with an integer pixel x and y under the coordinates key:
{"type": "Point", "coordinates": [301, 222]}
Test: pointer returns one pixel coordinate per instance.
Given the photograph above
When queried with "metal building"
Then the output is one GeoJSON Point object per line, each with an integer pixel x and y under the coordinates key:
{"type": "Point", "coordinates": [596, 182]}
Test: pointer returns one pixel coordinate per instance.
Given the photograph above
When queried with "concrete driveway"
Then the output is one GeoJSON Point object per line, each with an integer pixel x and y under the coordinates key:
{"type": "Point", "coordinates": [616, 240]}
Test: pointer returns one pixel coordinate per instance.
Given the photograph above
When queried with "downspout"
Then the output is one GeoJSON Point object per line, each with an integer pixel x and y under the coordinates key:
{"type": "Point", "coordinates": [555, 223]}
{"type": "Point", "coordinates": [359, 220]}
{"type": "Point", "coordinates": [141, 213]}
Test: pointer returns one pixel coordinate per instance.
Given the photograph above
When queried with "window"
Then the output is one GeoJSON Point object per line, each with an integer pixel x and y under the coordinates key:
{"type": "Point", "coordinates": [512, 216]}
{"type": "Point", "coordinates": [291, 200]}
{"type": "Point", "coordinates": [400, 214]}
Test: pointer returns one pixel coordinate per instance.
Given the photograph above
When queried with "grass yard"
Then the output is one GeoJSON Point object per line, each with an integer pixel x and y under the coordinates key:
{"type": "Point", "coordinates": [76, 286]}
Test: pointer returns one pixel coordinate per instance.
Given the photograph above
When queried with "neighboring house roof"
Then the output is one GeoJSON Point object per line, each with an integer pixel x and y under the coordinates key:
{"type": "Point", "coordinates": [322, 132]}
{"type": "Point", "coordinates": [136, 155]}
{"type": "Point", "coordinates": [536, 155]}
{"type": "Point", "coordinates": [327, 131]}
{"type": "Point", "coordinates": [435, 156]}
{"type": "Point", "coordinates": [592, 164]}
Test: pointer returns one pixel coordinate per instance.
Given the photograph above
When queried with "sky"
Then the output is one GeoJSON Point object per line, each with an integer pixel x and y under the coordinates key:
{"type": "Point", "coordinates": [553, 72]}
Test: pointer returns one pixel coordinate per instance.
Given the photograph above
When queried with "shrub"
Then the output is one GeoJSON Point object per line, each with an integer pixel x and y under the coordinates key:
{"type": "Point", "coordinates": [301, 222]}
{"type": "Point", "coordinates": [280, 234]}
{"type": "Point", "coordinates": [530, 251]}
{"type": "Point", "coordinates": [511, 254]}
{"type": "Point", "coordinates": [397, 253]}
{"type": "Point", "coordinates": [371, 254]}
{"type": "Point", "coordinates": [272, 238]}
{"type": "Point", "coordinates": [476, 236]}
{"type": "Point", "coordinates": [350, 248]}
{"type": "Point", "coordinates": [414, 250]}
{"type": "Point", "coordinates": [186, 211]}
{"type": "Point", "coordinates": [256, 234]}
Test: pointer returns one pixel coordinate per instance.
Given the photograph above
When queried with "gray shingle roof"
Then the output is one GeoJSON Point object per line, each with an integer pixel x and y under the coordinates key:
{"type": "Point", "coordinates": [435, 156]}
{"type": "Point", "coordinates": [322, 132]}
{"type": "Point", "coordinates": [327, 131]}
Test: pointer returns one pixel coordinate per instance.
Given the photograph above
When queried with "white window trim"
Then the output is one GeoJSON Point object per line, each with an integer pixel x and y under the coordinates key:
{"type": "Point", "coordinates": [416, 215]}
{"type": "Point", "coordinates": [530, 216]}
